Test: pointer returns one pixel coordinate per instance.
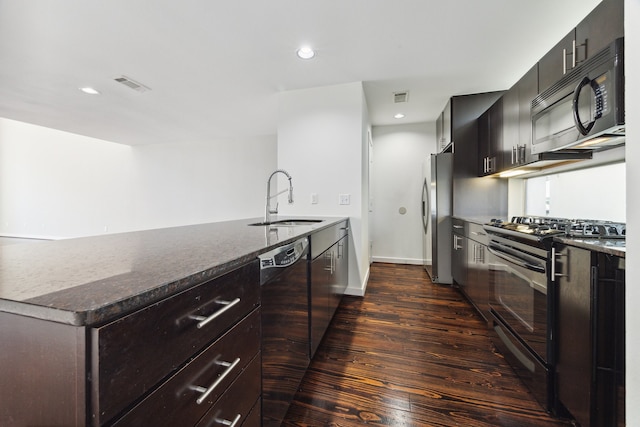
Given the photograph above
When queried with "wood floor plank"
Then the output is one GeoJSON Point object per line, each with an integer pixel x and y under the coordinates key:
{"type": "Point", "coordinates": [411, 353]}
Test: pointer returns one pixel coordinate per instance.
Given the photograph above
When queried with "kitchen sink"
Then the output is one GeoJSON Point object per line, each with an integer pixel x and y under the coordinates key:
{"type": "Point", "coordinates": [288, 222]}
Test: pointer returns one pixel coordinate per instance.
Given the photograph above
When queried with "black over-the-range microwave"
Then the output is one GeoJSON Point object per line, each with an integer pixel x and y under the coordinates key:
{"type": "Point", "coordinates": [585, 109]}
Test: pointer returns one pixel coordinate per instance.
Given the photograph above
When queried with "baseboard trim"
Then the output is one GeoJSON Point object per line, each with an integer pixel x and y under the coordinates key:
{"type": "Point", "coordinates": [391, 260]}
{"type": "Point", "coordinates": [359, 292]}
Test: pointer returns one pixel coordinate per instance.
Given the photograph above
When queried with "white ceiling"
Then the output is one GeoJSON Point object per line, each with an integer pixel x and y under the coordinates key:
{"type": "Point", "coordinates": [215, 67]}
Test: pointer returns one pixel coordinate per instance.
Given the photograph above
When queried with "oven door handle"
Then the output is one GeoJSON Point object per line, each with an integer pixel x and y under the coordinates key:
{"type": "Point", "coordinates": [514, 260]}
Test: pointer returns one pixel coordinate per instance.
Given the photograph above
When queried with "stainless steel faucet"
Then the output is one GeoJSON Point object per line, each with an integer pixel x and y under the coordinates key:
{"type": "Point", "coordinates": [268, 211]}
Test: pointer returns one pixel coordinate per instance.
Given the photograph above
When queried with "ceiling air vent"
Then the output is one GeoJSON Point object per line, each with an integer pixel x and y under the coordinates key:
{"type": "Point", "coordinates": [400, 96]}
{"type": "Point", "coordinates": [132, 84]}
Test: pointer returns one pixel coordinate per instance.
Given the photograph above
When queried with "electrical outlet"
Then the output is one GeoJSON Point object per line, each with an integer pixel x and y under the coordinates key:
{"type": "Point", "coordinates": [345, 199]}
{"type": "Point", "coordinates": [314, 198]}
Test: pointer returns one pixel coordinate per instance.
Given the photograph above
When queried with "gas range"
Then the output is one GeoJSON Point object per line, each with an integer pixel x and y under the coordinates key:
{"type": "Point", "coordinates": [540, 229]}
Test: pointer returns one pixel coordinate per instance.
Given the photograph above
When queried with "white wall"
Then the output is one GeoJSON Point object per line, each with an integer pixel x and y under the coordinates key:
{"type": "Point", "coordinates": [632, 89]}
{"type": "Point", "coordinates": [55, 184]}
{"type": "Point", "coordinates": [399, 153]}
{"type": "Point", "coordinates": [322, 143]}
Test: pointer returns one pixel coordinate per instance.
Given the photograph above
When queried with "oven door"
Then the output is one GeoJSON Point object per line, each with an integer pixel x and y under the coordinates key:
{"type": "Point", "coordinates": [518, 295]}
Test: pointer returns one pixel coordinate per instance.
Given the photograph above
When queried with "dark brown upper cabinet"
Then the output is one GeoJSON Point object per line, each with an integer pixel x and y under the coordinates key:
{"type": "Point", "coordinates": [601, 27]}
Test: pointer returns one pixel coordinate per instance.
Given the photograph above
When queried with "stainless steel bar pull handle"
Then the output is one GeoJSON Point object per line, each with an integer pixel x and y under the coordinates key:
{"type": "Point", "coordinates": [227, 422]}
{"type": "Point", "coordinates": [203, 321]}
{"type": "Point", "coordinates": [555, 255]}
{"type": "Point", "coordinates": [207, 391]}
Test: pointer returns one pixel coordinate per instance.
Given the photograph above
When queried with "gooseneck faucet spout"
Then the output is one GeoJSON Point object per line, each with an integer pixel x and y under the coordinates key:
{"type": "Point", "coordinates": [268, 211]}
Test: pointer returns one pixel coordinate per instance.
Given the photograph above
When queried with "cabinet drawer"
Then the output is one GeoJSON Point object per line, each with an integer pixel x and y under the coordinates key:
{"type": "Point", "coordinates": [239, 402]}
{"type": "Point", "coordinates": [131, 355]}
{"type": "Point", "coordinates": [324, 239]}
{"type": "Point", "coordinates": [175, 401]}
{"type": "Point", "coordinates": [476, 232]}
{"type": "Point", "coordinates": [459, 226]}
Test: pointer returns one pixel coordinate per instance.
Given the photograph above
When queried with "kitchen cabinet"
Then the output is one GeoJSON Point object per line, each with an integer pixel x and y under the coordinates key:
{"type": "Point", "coordinates": [443, 127]}
{"type": "Point", "coordinates": [590, 343]}
{"type": "Point", "coordinates": [168, 363]}
{"type": "Point", "coordinates": [469, 265]}
{"type": "Point", "coordinates": [473, 195]}
{"type": "Point", "coordinates": [490, 128]}
{"type": "Point", "coordinates": [329, 278]}
{"type": "Point", "coordinates": [598, 29]}
{"type": "Point", "coordinates": [124, 362]}
{"type": "Point", "coordinates": [459, 254]}
{"type": "Point", "coordinates": [527, 90]}
{"type": "Point", "coordinates": [555, 64]}
{"type": "Point", "coordinates": [477, 288]}
{"type": "Point", "coordinates": [516, 110]}
{"type": "Point", "coordinates": [601, 27]}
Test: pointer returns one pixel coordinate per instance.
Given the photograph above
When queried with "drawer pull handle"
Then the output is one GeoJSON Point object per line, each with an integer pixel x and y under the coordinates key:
{"type": "Point", "coordinates": [202, 321]}
{"type": "Point", "coordinates": [207, 391]}
{"type": "Point", "coordinates": [227, 422]}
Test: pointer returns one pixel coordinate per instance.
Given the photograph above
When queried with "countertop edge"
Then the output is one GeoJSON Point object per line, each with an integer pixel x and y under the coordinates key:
{"type": "Point", "coordinates": [595, 245]}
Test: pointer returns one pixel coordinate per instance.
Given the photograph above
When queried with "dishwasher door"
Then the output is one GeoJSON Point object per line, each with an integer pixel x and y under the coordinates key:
{"type": "Point", "coordinates": [285, 327]}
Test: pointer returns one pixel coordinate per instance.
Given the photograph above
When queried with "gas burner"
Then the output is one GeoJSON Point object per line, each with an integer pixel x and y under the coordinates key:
{"type": "Point", "coordinates": [600, 229]}
{"type": "Point", "coordinates": [546, 227]}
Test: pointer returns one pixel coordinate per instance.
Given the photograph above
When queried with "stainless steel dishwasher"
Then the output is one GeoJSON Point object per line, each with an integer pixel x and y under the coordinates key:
{"type": "Point", "coordinates": [284, 280]}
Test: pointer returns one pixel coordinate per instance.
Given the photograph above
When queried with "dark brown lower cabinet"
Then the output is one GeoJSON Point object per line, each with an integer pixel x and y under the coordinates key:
{"type": "Point", "coordinates": [191, 359]}
{"type": "Point", "coordinates": [590, 288]}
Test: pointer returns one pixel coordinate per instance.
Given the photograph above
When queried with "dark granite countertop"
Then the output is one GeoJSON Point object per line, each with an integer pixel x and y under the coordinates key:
{"type": "Point", "coordinates": [90, 280]}
{"type": "Point", "coordinates": [614, 247]}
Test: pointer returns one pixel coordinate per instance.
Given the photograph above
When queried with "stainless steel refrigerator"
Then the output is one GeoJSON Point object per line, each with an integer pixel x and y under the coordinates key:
{"type": "Point", "coordinates": [437, 195]}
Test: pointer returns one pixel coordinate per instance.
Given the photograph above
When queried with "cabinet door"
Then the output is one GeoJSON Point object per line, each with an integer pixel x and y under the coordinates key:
{"type": "Point", "coordinates": [340, 274]}
{"type": "Point", "coordinates": [484, 134]}
{"type": "Point", "coordinates": [495, 138]}
{"type": "Point", "coordinates": [439, 129]}
{"type": "Point", "coordinates": [446, 125]}
{"type": "Point", "coordinates": [527, 90]}
{"type": "Point", "coordinates": [510, 127]}
{"type": "Point", "coordinates": [490, 139]}
{"type": "Point", "coordinates": [557, 61]}
{"type": "Point", "coordinates": [458, 261]}
{"type": "Point", "coordinates": [601, 27]}
{"type": "Point", "coordinates": [574, 366]}
{"type": "Point", "coordinates": [320, 285]}
{"type": "Point", "coordinates": [478, 277]}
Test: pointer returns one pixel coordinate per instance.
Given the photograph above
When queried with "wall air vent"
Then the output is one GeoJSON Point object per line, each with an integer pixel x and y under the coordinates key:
{"type": "Point", "coordinates": [400, 96]}
{"type": "Point", "coordinates": [139, 87]}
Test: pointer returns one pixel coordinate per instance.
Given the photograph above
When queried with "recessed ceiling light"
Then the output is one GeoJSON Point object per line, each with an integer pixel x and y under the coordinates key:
{"type": "Point", "coordinates": [90, 90]}
{"type": "Point", "coordinates": [305, 52]}
{"type": "Point", "coordinates": [399, 116]}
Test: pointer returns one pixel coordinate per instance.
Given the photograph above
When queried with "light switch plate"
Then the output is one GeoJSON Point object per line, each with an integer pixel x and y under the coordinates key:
{"type": "Point", "coordinates": [345, 199]}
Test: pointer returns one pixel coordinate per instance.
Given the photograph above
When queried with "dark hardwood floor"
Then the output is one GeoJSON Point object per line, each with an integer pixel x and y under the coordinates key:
{"type": "Point", "coordinates": [411, 353]}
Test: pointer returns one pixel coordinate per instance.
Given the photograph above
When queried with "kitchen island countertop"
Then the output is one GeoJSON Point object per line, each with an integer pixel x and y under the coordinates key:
{"type": "Point", "coordinates": [91, 280]}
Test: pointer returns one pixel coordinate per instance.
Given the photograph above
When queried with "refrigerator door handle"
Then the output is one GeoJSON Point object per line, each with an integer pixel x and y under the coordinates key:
{"type": "Point", "coordinates": [426, 207]}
